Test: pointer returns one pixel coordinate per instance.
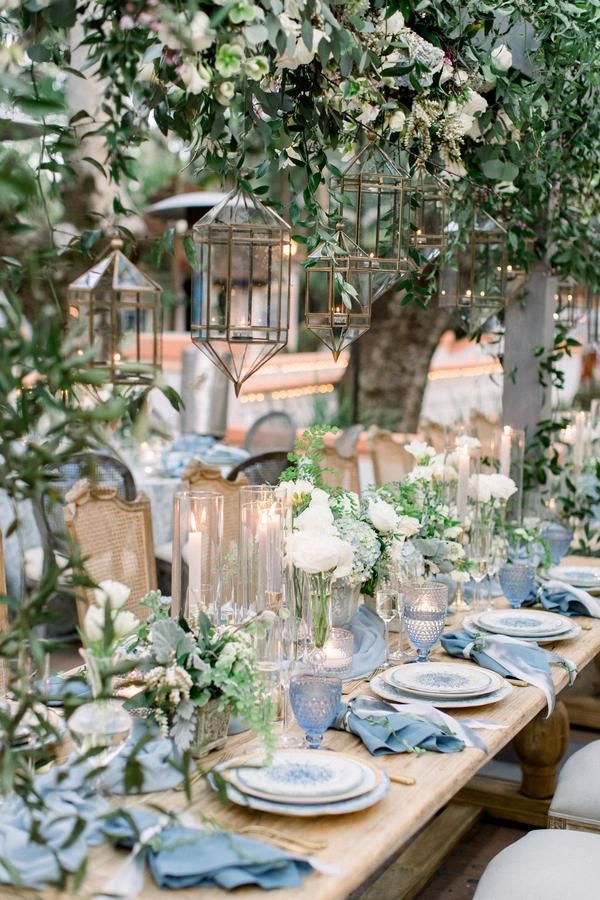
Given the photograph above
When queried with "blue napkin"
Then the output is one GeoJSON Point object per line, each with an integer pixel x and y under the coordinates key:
{"type": "Point", "coordinates": [510, 657]}
{"type": "Point", "coordinates": [369, 643]}
{"type": "Point", "coordinates": [384, 729]}
{"type": "Point", "coordinates": [558, 597]}
{"type": "Point", "coordinates": [67, 822]}
{"type": "Point", "coordinates": [57, 689]}
{"type": "Point", "coordinates": [181, 856]}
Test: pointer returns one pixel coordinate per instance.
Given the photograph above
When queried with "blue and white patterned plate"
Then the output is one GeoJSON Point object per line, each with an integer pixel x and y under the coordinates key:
{"type": "Point", "coordinates": [471, 624]}
{"type": "Point", "coordinates": [585, 577]}
{"type": "Point", "coordinates": [451, 680]}
{"type": "Point", "coordinates": [387, 691]}
{"type": "Point", "coordinates": [306, 776]}
{"type": "Point", "coordinates": [298, 809]}
{"type": "Point", "coordinates": [524, 622]}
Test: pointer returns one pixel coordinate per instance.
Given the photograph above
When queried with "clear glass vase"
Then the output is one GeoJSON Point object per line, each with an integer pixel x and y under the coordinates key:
{"type": "Point", "coordinates": [318, 591]}
{"type": "Point", "coordinates": [345, 597]}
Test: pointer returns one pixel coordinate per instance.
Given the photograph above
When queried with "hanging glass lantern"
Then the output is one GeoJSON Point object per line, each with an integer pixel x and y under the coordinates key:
{"type": "Point", "coordinates": [339, 292]}
{"type": "Point", "coordinates": [424, 229]}
{"type": "Point", "coordinates": [241, 292]}
{"type": "Point", "coordinates": [571, 302]}
{"type": "Point", "coordinates": [479, 277]}
{"type": "Point", "coordinates": [370, 209]}
{"type": "Point", "coordinates": [593, 318]}
{"type": "Point", "coordinates": [116, 310]}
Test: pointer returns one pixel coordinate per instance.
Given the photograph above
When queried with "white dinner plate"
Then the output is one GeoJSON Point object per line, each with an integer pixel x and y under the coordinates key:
{"type": "Point", "coordinates": [471, 624]}
{"type": "Point", "coordinates": [387, 691]}
{"type": "Point", "coordinates": [524, 622]}
{"type": "Point", "coordinates": [436, 681]}
{"type": "Point", "coordinates": [298, 809]}
{"type": "Point", "coordinates": [305, 776]}
{"type": "Point", "coordinates": [585, 577]}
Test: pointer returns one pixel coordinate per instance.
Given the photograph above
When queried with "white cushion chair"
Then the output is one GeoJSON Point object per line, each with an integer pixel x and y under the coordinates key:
{"type": "Point", "coordinates": [576, 802]}
{"type": "Point", "coordinates": [545, 865]}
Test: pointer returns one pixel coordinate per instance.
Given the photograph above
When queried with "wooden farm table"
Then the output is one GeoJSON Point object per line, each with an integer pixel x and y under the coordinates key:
{"type": "Point", "coordinates": [362, 843]}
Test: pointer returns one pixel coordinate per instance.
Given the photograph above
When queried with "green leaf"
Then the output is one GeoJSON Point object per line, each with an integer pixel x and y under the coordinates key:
{"type": "Point", "coordinates": [500, 171]}
{"type": "Point", "coordinates": [39, 53]}
{"type": "Point", "coordinates": [89, 238]}
{"type": "Point", "coordinates": [190, 251]}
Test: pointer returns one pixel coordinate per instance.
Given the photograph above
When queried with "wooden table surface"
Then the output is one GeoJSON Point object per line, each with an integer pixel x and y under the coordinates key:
{"type": "Point", "coordinates": [360, 843]}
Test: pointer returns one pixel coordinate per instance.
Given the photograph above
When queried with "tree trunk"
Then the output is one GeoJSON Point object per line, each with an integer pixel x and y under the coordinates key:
{"type": "Point", "coordinates": [394, 361]}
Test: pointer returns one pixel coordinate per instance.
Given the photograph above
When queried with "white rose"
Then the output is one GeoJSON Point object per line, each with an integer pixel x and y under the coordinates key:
{"type": "Point", "coordinates": [195, 78]}
{"type": "Point", "coordinates": [502, 57]}
{"type": "Point", "coordinates": [397, 120]}
{"type": "Point", "coordinates": [466, 440]}
{"type": "Point", "coordinates": [124, 623]}
{"type": "Point", "coordinates": [453, 532]}
{"type": "Point", "coordinates": [114, 592]}
{"type": "Point", "coordinates": [319, 497]}
{"type": "Point", "coordinates": [501, 486]}
{"type": "Point", "coordinates": [291, 491]}
{"type": "Point", "coordinates": [93, 623]}
{"type": "Point", "coordinates": [225, 93]}
{"type": "Point", "coordinates": [446, 73]}
{"type": "Point", "coordinates": [395, 23]}
{"type": "Point", "coordinates": [383, 516]}
{"type": "Point", "coordinates": [201, 35]}
{"type": "Point", "coordinates": [345, 560]}
{"type": "Point", "coordinates": [408, 525]}
{"type": "Point", "coordinates": [480, 488]}
{"type": "Point", "coordinates": [475, 104]}
{"type": "Point", "coordinates": [316, 517]}
{"type": "Point", "coordinates": [369, 113]}
{"type": "Point", "coordinates": [314, 553]}
{"type": "Point", "coordinates": [461, 76]}
{"type": "Point", "coordinates": [420, 450]}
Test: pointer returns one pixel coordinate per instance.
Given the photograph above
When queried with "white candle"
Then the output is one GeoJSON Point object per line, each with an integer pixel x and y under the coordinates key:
{"type": "Point", "coordinates": [462, 490]}
{"type": "Point", "coordinates": [194, 556]}
{"type": "Point", "coordinates": [579, 444]}
{"type": "Point", "coordinates": [505, 450]}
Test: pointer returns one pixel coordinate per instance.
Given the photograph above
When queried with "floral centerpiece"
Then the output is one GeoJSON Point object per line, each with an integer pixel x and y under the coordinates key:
{"type": "Point", "coordinates": [194, 676]}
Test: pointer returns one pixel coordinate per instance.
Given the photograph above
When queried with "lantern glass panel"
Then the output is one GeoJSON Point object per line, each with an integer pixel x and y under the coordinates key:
{"type": "Point", "coordinates": [338, 294]}
{"type": "Point", "coordinates": [571, 302]}
{"type": "Point", "coordinates": [241, 292]}
{"type": "Point", "coordinates": [478, 279]}
{"type": "Point", "coordinates": [424, 216]}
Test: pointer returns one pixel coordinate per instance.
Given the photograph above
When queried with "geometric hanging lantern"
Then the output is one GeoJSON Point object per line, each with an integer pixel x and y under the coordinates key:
{"type": "Point", "coordinates": [571, 302]}
{"type": "Point", "coordinates": [480, 277]}
{"type": "Point", "coordinates": [593, 320]}
{"type": "Point", "coordinates": [339, 292]}
{"type": "Point", "coordinates": [370, 207]}
{"type": "Point", "coordinates": [116, 310]}
{"type": "Point", "coordinates": [424, 215]}
{"type": "Point", "coordinates": [241, 292]}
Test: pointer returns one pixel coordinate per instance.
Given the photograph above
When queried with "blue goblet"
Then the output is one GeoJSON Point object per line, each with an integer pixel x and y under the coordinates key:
{"type": "Point", "coordinates": [425, 609]}
{"type": "Point", "coordinates": [517, 580]}
{"type": "Point", "coordinates": [315, 699]}
{"type": "Point", "coordinates": [559, 539]}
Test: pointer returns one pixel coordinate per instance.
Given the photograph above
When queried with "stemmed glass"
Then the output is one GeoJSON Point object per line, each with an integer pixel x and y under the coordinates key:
{"type": "Point", "coordinates": [101, 728]}
{"type": "Point", "coordinates": [559, 539]}
{"type": "Point", "coordinates": [294, 634]}
{"type": "Point", "coordinates": [517, 580]}
{"type": "Point", "coordinates": [315, 700]}
{"type": "Point", "coordinates": [498, 551]}
{"type": "Point", "coordinates": [268, 646]}
{"type": "Point", "coordinates": [386, 604]}
{"type": "Point", "coordinates": [478, 554]}
{"type": "Point", "coordinates": [425, 608]}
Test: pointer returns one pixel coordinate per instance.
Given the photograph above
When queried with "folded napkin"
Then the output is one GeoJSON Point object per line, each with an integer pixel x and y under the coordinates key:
{"type": "Point", "coordinates": [511, 658]}
{"type": "Point", "coordinates": [556, 596]}
{"type": "Point", "coordinates": [147, 761]}
{"type": "Point", "coordinates": [184, 855]}
{"type": "Point", "coordinates": [413, 728]}
{"type": "Point", "coordinates": [65, 823]}
{"type": "Point", "coordinates": [57, 689]}
{"type": "Point", "coordinates": [369, 643]}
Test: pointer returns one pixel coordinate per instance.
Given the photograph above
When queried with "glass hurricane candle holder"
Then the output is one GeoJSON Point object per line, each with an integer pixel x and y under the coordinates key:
{"type": "Point", "coordinates": [197, 552]}
{"type": "Point", "coordinates": [425, 608]}
{"type": "Point", "coordinates": [508, 451]}
{"type": "Point", "coordinates": [338, 649]}
{"type": "Point", "coordinates": [262, 542]}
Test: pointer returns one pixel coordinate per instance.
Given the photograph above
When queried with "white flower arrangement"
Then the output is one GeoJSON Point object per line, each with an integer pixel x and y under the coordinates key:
{"type": "Point", "coordinates": [106, 622]}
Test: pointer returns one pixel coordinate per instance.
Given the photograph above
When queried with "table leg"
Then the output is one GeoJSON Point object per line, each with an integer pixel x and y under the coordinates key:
{"type": "Point", "coordinates": [540, 747]}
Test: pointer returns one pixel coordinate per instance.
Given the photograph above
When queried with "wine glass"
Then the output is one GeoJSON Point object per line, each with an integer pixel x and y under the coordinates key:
{"type": "Point", "coordinates": [100, 728]}
{"type": "Point", "coordinates": [294, 635]}
{"type": "Point", "coordinates": [498, 551]}
{"type": "Point", "coordinates": [268, 647]}
{"type": "Point", "coordinates": [386, 604]}
{"type": "Point", "coordinates": [315, 700]}
{"type": "Point", "coordinates": [517, 580]}
{"type": "Point", "coordinates": [478, 553]}
{"type": "Point", "coordinates": [425, 608]}
{"type": "Point", "coordinates": [558, 537]}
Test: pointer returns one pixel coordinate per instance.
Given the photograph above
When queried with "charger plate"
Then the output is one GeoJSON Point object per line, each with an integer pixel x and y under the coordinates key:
{"type": "Point", "coordinates": [340, 808]}
{"type": "Point", "coordinates": [585, 577]}
{"type": "Point", "coordinates": [387, 691]}
{"type": "Point", "coordinates": [305, 776]}
{"type": "Point", "coordinates": [524, 622]}
{"type": "Point", "coordinates": [471, 624]}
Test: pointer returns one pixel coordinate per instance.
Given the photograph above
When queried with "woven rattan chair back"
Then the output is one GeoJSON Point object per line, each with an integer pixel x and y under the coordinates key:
{"type": "Point", "coordinates": [340, 471]}
{"type": "Point", "coordinates": [98, 469]}
{"type": "Point", "coordinates": [114, 537]}
{"type": "Point", "coordinates": [434, 434]}
{"type": "Point", "coordinates": [3, 620]}
{"type": "Point", "coordinates": [273, 431]}
{"type": "Point", "coordinates": [203, 478]}
{"type": "Point", "coordinates": [485, 429]}
{"type": "Point", "coordinates": [391, 461]}
{"type": "Point", "coordinates": [262, 469]}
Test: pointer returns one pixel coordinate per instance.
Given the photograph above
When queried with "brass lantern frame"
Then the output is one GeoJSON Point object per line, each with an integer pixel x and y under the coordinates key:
{"type": "Point", "coordinates": [593, 318]}
{"type": "Point", "coordinates": [338, 325]}
{"type": "Point", "coordinates": [424, 217]}
{"type": "Point", "coordinates": [480, 275]}
{"type": "Point", "coordinates": [100, 302]}
{"type": "Point", "coordinates": [241, 304]}
{"type": "Point", "coordinates": [572, 302]}
{"type": "Point", "coordinates": [370, 211]}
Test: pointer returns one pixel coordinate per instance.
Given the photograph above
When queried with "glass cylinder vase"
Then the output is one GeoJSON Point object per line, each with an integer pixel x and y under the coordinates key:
{"type": "Point", "coordinates": [318, 595]}
{"type": "Point", "coordinates": [262, 541]}
{"type": "Point", "coordinates": [197, 553]}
